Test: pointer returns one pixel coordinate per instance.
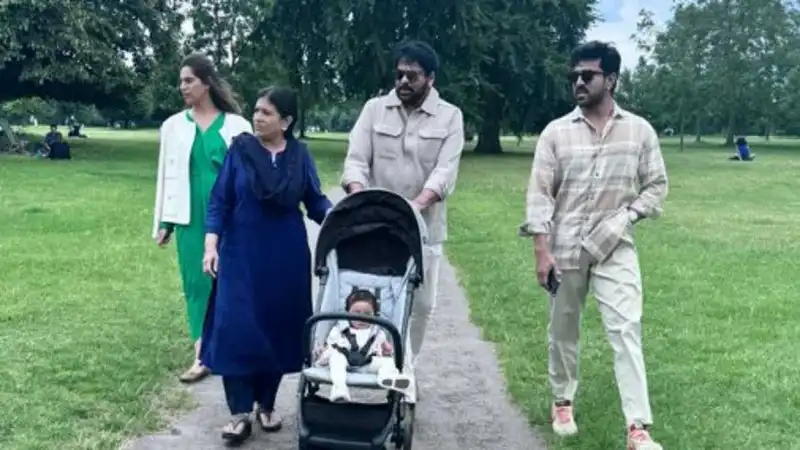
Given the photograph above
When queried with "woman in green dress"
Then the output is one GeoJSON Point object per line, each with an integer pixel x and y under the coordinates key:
{"type": "Point", "coordinates": [193, 146]}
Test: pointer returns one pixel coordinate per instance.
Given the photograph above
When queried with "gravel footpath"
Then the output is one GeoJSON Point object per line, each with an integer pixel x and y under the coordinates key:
{"type": "Point", "coordinates": [463, 400]}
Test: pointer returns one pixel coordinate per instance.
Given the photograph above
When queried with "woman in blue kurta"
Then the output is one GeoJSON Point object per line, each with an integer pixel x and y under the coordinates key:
{"type": "Point", "coordinates": [257, 250]}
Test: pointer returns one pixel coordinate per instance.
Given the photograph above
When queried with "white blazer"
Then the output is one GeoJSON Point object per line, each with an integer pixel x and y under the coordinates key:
{"type": "Point", "coordinates": [177, 134]}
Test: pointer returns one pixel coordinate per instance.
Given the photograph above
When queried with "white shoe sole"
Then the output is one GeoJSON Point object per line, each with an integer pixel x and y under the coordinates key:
{"type": "Point", "coordinates": [565, 430]}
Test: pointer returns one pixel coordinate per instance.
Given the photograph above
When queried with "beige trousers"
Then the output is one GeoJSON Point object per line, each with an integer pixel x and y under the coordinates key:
{"type": "Point", "coordinates": [425, 300]}
{"type": "Point", "coordinates": [617, 286]}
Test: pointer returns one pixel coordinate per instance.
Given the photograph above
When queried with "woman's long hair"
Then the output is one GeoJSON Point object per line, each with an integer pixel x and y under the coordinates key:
{"type": "Point", "coordinates": [218, 89]}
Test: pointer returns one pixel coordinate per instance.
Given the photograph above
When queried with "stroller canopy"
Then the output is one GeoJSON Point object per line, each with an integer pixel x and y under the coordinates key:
{"type": "Point", "coordinates": [373, 231]}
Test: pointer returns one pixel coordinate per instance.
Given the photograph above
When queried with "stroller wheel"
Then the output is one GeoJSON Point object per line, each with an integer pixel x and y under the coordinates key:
{"type": "Point", "coordinates": [405, 436]}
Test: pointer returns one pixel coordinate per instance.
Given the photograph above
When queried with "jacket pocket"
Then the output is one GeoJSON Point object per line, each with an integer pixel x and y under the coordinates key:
{"type": "Point", "coordinates": [430, 144]}
{"type": "Point", "coordinates": [387, 141]}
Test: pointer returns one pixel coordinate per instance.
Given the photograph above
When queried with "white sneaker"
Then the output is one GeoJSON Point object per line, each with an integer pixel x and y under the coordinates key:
{"type": "Point", "coordinates": [397, 382]}
{"type": "Point", "coordinates": [390, 378]}
{"type": "Point", "coordinates": [564, 421]}
{"type": "Point", "coordinates": [639, 439]}
{"type": "Point", "coordinates": [340, 394]}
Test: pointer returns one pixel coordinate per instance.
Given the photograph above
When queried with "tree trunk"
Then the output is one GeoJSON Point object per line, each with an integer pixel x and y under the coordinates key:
{"type": "Point", "coordinates": [301, 121]}
{"type": "Point", "coordinates": [731, 124]}
{"type": "Point", "coordinates": [698, 129]}
{"type": "Point", "coordinates": [489, 134]}
{"type": "Point", "coordinates": [681, 123]}
{"type": "Point", "coordinates": [489, 138]}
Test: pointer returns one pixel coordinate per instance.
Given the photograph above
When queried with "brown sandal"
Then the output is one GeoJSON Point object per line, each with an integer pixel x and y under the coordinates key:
{"type": "Point", "coordinates": [270, 422]}
{"type": "Point", "coordinates": [237, 431]}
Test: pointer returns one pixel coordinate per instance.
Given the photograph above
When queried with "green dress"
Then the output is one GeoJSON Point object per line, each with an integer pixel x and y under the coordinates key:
{"type": "Point", "coordinates": [208, 153]}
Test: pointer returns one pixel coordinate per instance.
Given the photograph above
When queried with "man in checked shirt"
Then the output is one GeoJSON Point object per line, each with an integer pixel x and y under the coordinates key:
{"type": "Point", "coordinates": [597, 171]}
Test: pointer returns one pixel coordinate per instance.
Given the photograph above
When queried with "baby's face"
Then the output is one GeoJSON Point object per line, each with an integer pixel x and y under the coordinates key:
{"type": "Point", "coordinates": [361, 307]}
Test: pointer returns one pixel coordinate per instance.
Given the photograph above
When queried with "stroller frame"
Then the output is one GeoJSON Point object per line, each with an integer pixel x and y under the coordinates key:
{"type": "Point", "coordinates": [326, 425]}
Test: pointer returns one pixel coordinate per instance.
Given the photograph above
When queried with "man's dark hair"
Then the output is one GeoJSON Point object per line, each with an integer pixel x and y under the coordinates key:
{"type": "Point", "coordinates": [418, 52]}
{"type": "Point", "coordinates": [610, 59]}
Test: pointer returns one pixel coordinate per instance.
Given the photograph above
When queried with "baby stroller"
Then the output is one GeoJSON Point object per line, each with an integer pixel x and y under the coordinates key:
{"type": "Point", "coordinates": [370, 240]}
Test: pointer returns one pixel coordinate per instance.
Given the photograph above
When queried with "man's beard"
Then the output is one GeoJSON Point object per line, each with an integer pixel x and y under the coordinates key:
{"type": "Point", "coordinates": [416, 98]}
{"type": "Point", "coordinates": [590, 100]}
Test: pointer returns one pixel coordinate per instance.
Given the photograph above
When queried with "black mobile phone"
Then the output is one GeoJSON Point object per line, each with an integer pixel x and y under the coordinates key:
{"type": "Point", "coordinates": [553, 282]}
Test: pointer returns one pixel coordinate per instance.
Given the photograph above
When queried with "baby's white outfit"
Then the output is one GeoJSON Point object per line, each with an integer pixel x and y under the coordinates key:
{"type": "Point", "coordinates": [384, 366]}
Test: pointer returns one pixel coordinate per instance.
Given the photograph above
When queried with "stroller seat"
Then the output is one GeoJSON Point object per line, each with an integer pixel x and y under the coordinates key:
{"type": "Point", "coordinates": [370, 240]}
{"type": "Point", "coordinates": [391, 294]}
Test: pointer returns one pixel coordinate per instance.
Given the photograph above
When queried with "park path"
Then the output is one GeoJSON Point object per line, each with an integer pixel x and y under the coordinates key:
{"type": "Point", "coordinates": [463, 401]}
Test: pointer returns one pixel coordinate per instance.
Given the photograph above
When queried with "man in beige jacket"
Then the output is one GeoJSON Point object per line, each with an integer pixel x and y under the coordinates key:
{"type": "Point", "coordinates": [410, 142]}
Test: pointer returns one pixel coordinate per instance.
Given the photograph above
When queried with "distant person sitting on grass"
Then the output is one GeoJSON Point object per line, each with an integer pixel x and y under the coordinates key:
{"type": "Point", "coordinates": [54, 140]}
{"type": "Point", "coordinates": [75, 131]}
{"type": "Point", "coordinates": [742, 151]}
{"type": "Point", "coordinates": [53, 135]}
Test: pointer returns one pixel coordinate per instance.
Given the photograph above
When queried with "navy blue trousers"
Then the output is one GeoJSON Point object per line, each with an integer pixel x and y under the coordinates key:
{"type": "Point", "coordinates": [242, 391]}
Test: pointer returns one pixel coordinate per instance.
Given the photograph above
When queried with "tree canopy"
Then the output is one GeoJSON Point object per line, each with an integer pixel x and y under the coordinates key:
{"type": "Point", "coordinates": [92, 51]}
{"type": "Point", "coordinates": [502, 60]}
{"type": "Point", "coordinates": [719, 65]}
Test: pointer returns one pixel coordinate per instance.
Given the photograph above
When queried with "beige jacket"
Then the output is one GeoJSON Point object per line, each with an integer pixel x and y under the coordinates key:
{"type": "Point", "coordinates": [408, 152]}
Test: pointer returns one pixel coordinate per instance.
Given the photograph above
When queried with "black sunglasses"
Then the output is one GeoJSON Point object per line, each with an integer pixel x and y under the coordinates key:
{"type": "Point", "coordinates": [586, 75]}
{"type": "Point", "coordinates": [410, 75]}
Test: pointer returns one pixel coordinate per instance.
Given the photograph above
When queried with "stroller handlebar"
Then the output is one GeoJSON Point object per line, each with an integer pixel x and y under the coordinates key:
{"type": "Point", "coordinates": [308, 328]}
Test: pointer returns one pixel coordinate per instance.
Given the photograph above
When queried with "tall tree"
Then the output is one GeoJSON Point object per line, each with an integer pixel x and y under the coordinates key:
{"type": "Point", "coordinates": [727, 65]}
{"type": "Point", "coordinates": [680, 51]}
{"type": "Point", "coordinates": [522, 72]}
{"type": "Point", "coordinates": [300, 32]}
{"type": "Point", "coordinates": [167, 55]}
{"type": "Point", "coordinates": [503, 62]}
{"type": "Point", "coordinates": [228, 32]}
{"type": "Point", "coordinates": [90, 51]}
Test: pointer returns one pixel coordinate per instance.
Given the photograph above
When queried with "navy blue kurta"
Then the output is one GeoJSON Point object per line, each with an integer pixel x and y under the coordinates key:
{"type": "Point", "coordinates": [262, 295]}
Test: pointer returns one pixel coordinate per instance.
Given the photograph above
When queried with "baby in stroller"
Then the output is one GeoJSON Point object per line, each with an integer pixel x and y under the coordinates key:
{"type": "Point", "coordinates": [360, 346]}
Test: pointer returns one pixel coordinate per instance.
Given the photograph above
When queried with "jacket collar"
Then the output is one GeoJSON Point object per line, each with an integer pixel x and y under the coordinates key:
{"type": "Point", "coordinates": [617, 113]}
{"type": "Point", "coordinates": [430, 105]}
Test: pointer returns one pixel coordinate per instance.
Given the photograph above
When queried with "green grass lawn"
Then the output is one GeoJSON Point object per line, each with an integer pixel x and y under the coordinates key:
{"type": "Point", "coordinates": [721, 323]}
{"type": "Point", "coordinates": [92, 317]}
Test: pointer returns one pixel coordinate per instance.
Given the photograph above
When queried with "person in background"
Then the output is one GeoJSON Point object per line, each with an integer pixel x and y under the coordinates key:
{"type": "Point", "coordinates": [193, 146]}
{"type": "Point", "coordinates": [54, 141]}
{"type": "Point", "coordinates": [256, 247]}
{"type": "Point", "coordinates": [410, 141]}
{"type": "Point", "coordinates": [742, 151]}
{"type": "Point", "coordinates": [597, 171]}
